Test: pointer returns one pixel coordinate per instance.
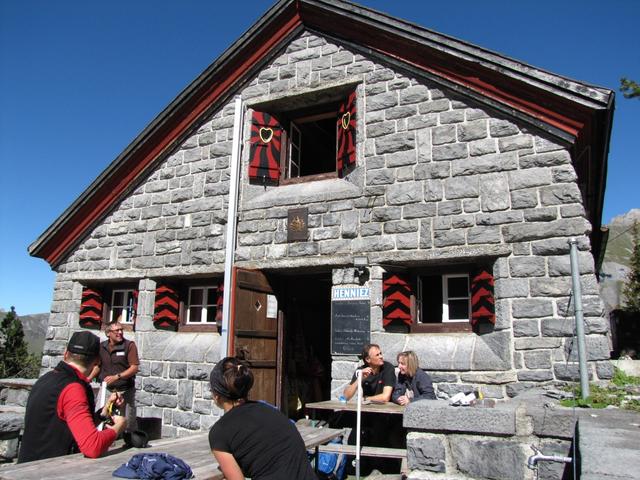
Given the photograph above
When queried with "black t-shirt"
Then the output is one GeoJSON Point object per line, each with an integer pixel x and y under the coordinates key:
{"type": "Point", "coordinates": [263, 441]}
{"type": "Point", "coordinates": [374, 384]}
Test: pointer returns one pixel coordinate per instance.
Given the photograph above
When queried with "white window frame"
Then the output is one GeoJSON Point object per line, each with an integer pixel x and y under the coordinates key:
{"type": "Point", "coordinates": [295, 151]}
{"type": "Point", "coordinates": [127, 310]}
{"type": "Point", "coordinates": [446, 298]}
{"type": "Point", "coordinates": [204, 306]}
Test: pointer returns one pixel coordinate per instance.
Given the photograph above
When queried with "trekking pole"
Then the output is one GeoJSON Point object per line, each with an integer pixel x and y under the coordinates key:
{"type": "Point", "coordinates": [358, 419]}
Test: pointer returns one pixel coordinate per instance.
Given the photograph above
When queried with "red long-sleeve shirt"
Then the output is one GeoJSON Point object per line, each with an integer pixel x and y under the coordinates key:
{"type": "Point", "coordinates": [73, 408]}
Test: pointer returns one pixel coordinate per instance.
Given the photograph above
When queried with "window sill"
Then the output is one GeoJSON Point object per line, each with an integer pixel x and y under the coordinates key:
{"type": "Point", "coordinates": [198, 328]}
{"type": "Point", "coordinates": [457, 327]}
{"type": "Point", "coordinates": [320, 190]}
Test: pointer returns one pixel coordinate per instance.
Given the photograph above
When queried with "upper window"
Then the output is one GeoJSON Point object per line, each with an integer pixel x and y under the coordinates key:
{"type": "Point", "coordinates": [123, 306]}
{"type": "Point", "coordinates": [438, 301]}
{"type": "Point", "coordinates": [309, 143]}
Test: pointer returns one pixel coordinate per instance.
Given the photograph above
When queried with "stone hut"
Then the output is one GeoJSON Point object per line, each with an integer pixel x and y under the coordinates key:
{"type": "Point", "coordinates": [338, 176]}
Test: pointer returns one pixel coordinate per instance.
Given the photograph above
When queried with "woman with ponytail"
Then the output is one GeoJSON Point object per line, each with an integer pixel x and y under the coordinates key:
{"type": "Point", "coordinates": [252, 439]}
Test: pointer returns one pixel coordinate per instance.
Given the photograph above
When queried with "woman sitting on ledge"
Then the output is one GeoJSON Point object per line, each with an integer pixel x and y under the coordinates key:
{"type": "Point", "coordinates": [413, 383]}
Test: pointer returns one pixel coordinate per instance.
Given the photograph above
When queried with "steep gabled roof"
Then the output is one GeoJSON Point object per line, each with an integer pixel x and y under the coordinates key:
{"type": "Point", "coordinates": [576, 114]}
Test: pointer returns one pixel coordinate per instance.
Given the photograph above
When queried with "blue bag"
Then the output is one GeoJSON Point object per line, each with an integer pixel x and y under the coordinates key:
{"type": "Point", "coordinates": [331, 466]}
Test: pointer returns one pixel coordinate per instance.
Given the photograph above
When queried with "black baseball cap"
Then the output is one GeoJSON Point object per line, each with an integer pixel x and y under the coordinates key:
{"type": "Point", "coordinates": [85, 343]}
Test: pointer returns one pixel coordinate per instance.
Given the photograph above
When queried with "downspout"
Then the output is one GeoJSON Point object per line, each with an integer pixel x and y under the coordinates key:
{"type": "Point", "coordinates": [577, 307]}
{"type": "Point", "coordinates": [232, 213]}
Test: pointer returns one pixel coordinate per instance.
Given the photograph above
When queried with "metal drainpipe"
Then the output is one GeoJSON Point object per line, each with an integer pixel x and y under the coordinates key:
{"type": "Point", "coordinates": [577, 307]}
{"type": "Point", "coordinates": [230, 246]}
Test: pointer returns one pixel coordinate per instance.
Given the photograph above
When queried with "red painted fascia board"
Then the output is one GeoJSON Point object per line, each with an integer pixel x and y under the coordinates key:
{"type": "Point", "coordinates": [109, 192]}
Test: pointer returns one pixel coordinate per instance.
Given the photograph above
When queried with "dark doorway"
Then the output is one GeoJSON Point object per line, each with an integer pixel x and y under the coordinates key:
{"type": "Point", "coordinates": [305, 302]}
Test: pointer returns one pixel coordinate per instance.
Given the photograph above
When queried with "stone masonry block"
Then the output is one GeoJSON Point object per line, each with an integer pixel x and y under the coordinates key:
{"type": "Point", "coordinates": [482, 458]}
{"type": "Point", "coordinates": [428, 415]}
{"type": "Point", "coordinates": [542, 230]}
{"type": "Point", "coordinates": [484, 164]}
{"type": "Point", "coordinates": [531, 307]}
{"type": "Point", "coordinates": [426, 452]}
{"type": "Point", "coordinates": [527, 267]}
{"type": "Point", "coordinates": [461, 187]}
{"type": "Point", "coordinates": [559, 194]}
{"type": "Point", "coordinates": [404, 193]}
{"type": "Point", "coordinates": [494, 192]}
{"type": "Point", "coordinates": [530, 177]}
{"type": "Point", "coordinates": [395, 143]}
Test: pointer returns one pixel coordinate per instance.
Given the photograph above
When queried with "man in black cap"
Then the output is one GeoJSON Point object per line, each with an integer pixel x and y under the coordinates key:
{"type": "Point", "coordinates": [59, 416]}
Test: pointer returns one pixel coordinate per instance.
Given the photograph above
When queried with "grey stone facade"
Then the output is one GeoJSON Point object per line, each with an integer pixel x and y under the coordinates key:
{"type": "Point", "coordinates": [439, 180]}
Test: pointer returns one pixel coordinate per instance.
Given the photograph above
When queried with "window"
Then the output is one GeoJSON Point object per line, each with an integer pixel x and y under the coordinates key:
{"type": "Point", "coordinates": [106, 303]}
{"type": "Point", "coordinates": [443, 298]}
{"type": "Point", "coordinates": [202, 307]}
{"type": "Point", "coordinates": [438, 301]}
{"type": "Point", "coordinates": [123, 306]}
{"type": "Point", "coordinates": [188, 306]}
{"type": "Point", "coordinates": [308, 142]}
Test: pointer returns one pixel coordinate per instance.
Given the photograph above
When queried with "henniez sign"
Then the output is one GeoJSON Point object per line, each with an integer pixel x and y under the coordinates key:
{"type": "Point", "coordinates": [350, 320]}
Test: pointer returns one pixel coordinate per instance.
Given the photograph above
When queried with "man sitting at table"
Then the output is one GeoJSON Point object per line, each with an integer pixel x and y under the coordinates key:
{"type": "Point", "coordinates": [59, 416]}
{"type": "Point", "coordinates": [378, 376]}
{"type": "Point", "coordinates": [378, 380]}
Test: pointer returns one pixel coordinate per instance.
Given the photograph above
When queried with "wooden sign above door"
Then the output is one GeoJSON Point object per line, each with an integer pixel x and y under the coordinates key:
{"type": "Point", "coordinates": [298, 225]}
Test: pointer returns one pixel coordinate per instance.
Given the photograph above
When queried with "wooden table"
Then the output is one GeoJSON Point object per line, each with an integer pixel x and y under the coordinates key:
{"type": "Point", "coordinates": [366, 451]}
{"type": "Point", "coordinates": [194, 450]}
{"type": "Point", "coordinates": [336, 406]}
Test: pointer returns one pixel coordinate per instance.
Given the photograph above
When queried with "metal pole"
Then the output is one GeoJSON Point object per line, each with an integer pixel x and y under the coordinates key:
{"type": "Point", "coordinates": [577, 308]}
{"type": "Point", "coordinates": [358, 419]}
{"type": "Point", "coordinates": [234, 183]}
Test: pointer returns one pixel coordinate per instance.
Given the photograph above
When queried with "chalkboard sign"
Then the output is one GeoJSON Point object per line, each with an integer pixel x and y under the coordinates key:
{"type": "Point", "coordinates": [350, 320]}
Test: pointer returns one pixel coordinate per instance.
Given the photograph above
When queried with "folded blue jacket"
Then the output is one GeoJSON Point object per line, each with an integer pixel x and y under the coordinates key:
{"type": "Point", "coordinates": [154, 466]}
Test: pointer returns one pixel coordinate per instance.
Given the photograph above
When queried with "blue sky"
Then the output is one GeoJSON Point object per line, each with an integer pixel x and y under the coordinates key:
{"type": "Point", "coordinates": [80, 79]}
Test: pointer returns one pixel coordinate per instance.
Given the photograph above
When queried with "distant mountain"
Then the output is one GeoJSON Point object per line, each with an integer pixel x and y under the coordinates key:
{"type": "Point", "coordinates": [615, 267]}
{"type": "Point", "coordinates": [620, 242]}
{"type": "Point", "coordinates": [35, 329]}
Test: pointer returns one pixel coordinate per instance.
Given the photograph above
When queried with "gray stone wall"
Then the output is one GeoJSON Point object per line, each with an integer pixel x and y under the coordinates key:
{"type": "Point", "coordinates": [439, 179]}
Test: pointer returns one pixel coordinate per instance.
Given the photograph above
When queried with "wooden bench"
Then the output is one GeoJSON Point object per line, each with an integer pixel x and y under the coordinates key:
{"type": "Point", "coordinates": [381, 452]}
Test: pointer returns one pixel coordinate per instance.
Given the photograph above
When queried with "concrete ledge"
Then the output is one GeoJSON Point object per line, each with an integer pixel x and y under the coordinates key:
{"type": "Point", "coordinates": [608, 446]}
{"type": "Point", "coordinates": [439, 416]}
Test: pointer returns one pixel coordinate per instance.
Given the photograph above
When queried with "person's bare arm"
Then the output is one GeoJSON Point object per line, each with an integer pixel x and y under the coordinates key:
{"type": "Point", "coordinates": [385, 396]}
{"type": "Point", "coordinates": [94, 372]}
{"type": "Point", "coordinates": [129, 372]}
{"type": "Point", "coordinates": [228, 465]}
{"type": "Point", "coordinates": [350, 390]}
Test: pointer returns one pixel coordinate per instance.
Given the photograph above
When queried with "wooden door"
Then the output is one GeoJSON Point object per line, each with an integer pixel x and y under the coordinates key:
{"type": "Point", "coordinates": [256, 333]}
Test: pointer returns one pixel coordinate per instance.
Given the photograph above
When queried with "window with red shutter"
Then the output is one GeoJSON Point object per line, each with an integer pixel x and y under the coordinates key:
{"type": "Point", "coordinates": [455, 299]}
{"type": "Point", "coordinates": [304, 143]}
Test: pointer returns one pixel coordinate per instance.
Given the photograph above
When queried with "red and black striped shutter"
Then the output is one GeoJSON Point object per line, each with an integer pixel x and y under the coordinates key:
{"type": "Point", "coordinates": [266, 146]}
{"type": "Point", "coordinates": [166, 308]}
{"type": "Point", "coordinates": [134, 307]}
{"type": "Point", "coordinates": [346, 135]}
{"type": "Point", "coordinates": [396, 307]}
{"type": "Point", "coordinates": [91, 308]}
{"type": "Point", "coordinates": [482, 302]}
{"type": "Point", "coordinates": [219, 304]}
